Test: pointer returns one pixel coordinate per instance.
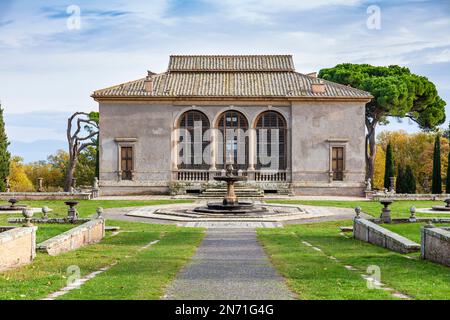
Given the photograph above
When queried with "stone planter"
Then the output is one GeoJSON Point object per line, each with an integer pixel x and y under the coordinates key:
{"type": "Point", "coordinates": [17, 247]}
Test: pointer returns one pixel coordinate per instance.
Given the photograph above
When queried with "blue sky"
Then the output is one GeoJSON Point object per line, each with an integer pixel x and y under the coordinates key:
{"type": "Point", "coordinates": [48, 71]}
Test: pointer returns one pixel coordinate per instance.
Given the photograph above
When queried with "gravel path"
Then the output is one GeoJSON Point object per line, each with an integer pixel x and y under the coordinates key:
{"type": "Point", "coordinates": [229, 264]}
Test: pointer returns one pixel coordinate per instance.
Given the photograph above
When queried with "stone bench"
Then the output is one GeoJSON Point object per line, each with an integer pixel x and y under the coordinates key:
{"type": "Point", "coordinates": [436, 245]}
{"type": "Point", "coordinates": [17, 247]}
{"type": "Point", "coordinates": [83, 235]}
{"type": "Point", "coordinates": [371, 232]}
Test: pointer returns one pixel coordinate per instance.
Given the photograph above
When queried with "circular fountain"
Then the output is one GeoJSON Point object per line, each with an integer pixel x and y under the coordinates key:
{"type": "Point", "coordinates": [13, 206]}
{"type": "Point", "coordinates": [230, 204]}
{"type": "Point", "coordinates": [443, 208]}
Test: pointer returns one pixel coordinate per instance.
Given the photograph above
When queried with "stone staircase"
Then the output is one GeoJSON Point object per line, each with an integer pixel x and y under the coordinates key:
{"type": "Point", "coordinates": [241, 192]}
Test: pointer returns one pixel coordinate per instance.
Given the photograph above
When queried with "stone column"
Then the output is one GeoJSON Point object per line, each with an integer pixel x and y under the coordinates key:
{"type": "Point", "coordinates": [174, 153]}
{"type": "Point", "coordinates": [213, 147]}
{"type": "Point", "coordinates": [252, 156]}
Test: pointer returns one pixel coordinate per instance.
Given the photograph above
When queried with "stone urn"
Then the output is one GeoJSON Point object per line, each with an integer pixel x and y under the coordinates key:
{"type": "Point", "coordinates": [72, 213]}
{"type": "Point", "coordinates": [13, 201]}
{"type": "Point", "coordinates": [358, 212]}
{"type": "Point", "coordinates": [386, 212]}
{"type": "Point", "coordinates": [99, 213]}
{"type": "Point", "coordinates": [45, 211]}
{"type": "Point", "coordinates": [412, 214]}
{"type": "Point", "coordinates": [28, 215]}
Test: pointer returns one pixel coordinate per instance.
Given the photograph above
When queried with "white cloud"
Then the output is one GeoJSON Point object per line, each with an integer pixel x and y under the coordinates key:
{"type": "Point", "coordinates": [256, 10]}
{"type": "Point", "coordinates": [438, 57]}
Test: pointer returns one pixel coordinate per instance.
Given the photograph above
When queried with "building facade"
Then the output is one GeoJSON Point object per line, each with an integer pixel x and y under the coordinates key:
{"type": "Point", "coordinates": [286, 131]}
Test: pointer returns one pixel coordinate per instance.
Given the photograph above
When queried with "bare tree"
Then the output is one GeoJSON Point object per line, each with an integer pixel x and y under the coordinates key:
{"type": "Point", "coordinates": [82, 129]}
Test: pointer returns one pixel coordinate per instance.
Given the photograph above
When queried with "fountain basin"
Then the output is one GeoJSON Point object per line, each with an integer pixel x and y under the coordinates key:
{"type": "Point", "coordinates": [240, 207]}
{"type": "Point", "coordinates": [443, 208]}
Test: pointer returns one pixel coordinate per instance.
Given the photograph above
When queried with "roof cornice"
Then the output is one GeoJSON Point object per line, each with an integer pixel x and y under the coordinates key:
{"type": "Point", "coordinates": [222, 99]}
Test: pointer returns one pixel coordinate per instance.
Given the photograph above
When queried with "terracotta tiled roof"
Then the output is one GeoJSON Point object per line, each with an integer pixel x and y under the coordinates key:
{"type": "Point", "coordinates": [230, 76]}
{"type": "Point", "coordinates": [231, 63]}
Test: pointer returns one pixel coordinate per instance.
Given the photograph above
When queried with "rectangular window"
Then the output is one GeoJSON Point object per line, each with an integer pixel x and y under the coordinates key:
{"type": "Point", "coordinates": [126, 162]}
{"type": "Point", "coordinates": [337, 163]}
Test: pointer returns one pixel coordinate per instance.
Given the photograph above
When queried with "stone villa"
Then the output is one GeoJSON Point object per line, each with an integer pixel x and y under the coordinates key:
{"type": "Point", "coordinates": [318, 147]}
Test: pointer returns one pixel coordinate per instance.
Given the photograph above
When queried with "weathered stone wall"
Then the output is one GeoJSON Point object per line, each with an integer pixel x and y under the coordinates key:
{"type": "Point", "coordinates": [436, 245]}
{"type": "Point", "coordinates": [368, 231]}
{"type": "Point", "coordinates": [17, 247]}
{"type": "Point", "coordinates": [311, 127]}
{"type": "Point", "coordinates": [315, 127]}
{"type": "Point", "coordinates": [85, 234]}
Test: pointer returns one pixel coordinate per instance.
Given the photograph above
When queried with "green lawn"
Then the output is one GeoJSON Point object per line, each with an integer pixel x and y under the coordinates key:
{"type": "Point", "coordinates": [144, 274]}
{"type": "Point", "coordinates": [400, 209]}
{"type": "Point", "coordinates": [85, 208]}
{"type": "Point", "coordinates": [312, 275]}
{"type": "Point", "coordinates": [137, 274]}
{"type": "Point", "coordinates": [47, 231]}
{"type": "Point", "coordinates": [409, 230]}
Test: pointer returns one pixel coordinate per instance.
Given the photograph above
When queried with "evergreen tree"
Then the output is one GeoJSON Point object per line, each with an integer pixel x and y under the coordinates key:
{"type": "Point", "coordinates": [389, 168]}
{"type": "Point", "coordinates": [5, 156]}
{"type": "Point", "coordinates": [397, 92]}
{"type": "Point", "coordinates": [436, 186]}
{"type": "Point", "coordinates": [400, 180]}
{"type": "Point", "coordinates": [410, 185]}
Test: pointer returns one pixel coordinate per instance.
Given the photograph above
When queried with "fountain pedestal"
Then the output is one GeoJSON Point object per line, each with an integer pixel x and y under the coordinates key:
{"type": "Point", "coordinates": [386, 212]}
{"type": "Point", "coordinates": [230, 203]}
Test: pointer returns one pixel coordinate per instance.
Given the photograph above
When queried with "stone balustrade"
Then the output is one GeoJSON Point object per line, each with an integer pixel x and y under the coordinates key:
{"type": "Point", "coordinates": [371, 232]}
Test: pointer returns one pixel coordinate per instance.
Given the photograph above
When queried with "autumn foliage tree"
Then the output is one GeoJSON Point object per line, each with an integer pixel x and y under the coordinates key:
{"type": "Point", "coordinates": [17, 176]}
{"type": "Point", "coordinates": [414, 150]}
{"type": "Point", "coordinates": [396, 93]}
{"type": "Point", "coordinates": [52, 171]}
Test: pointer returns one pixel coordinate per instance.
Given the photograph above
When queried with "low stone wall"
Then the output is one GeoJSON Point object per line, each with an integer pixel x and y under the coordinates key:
{"type": "Point", "coordinates": [17, 247]}
{"type": "Point", "coordinates": [436, 245]}
{"type": "Point", "coordinates": [50, 220]}
{"type": "Point", "coordinates": [5, 196]}
{"type": "Point", "coordinates": [369, 231]}
{"type": "Point", "coordinates": [85, 234]}
{"type": "Point", "coordinates": [405, 196]}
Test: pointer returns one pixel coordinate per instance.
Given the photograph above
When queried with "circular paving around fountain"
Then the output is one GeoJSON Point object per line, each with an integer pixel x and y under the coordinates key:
{"type": "Point", "coordinates": [265, 213]}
